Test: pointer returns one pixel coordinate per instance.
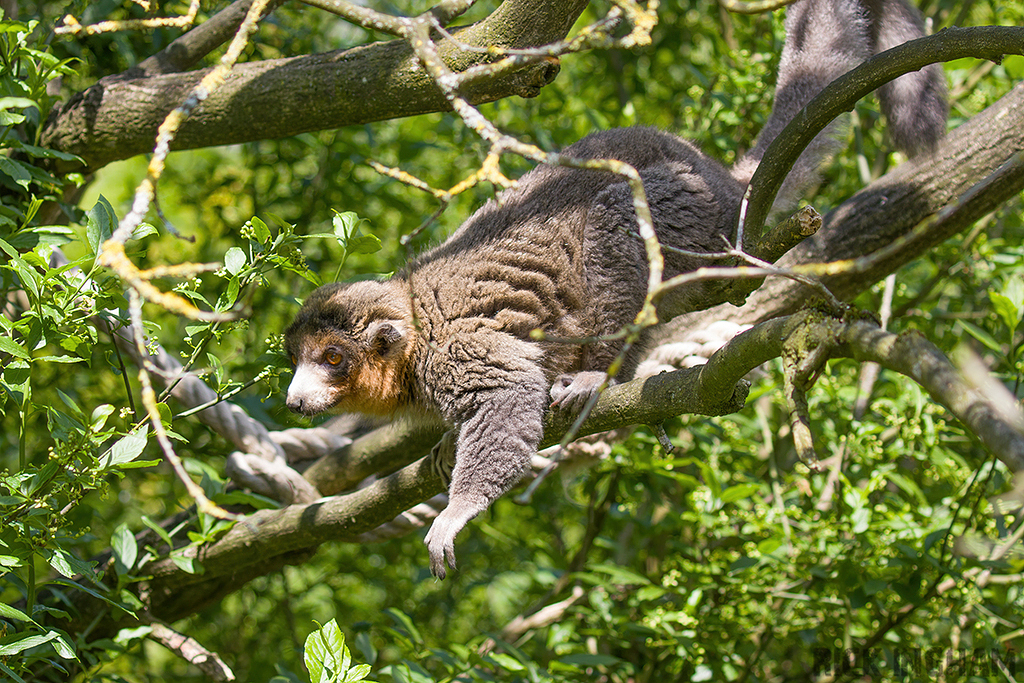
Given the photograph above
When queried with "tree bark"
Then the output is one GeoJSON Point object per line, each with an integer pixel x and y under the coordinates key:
{"type": "Point", "coordinates": [118, 117]}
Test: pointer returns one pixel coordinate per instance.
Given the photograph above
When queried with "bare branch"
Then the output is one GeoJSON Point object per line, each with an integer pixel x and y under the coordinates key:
{"type": "Point", "coordinates": [987, 42]}
{"type": "Point", "coordinates": [892, 206]}
{"type": "Point", "coordinates": [72, 27]}
{"type": "Point", "coordinates": [118, 117]}
{"type": "Point", "coordinates": [186, 51]}
{"type": "Point", "coordinates": [192, 652]}
{"type": "Point", "coordinates": [364, 16]}
{"type": "Point", "coordinates": [754, 6]}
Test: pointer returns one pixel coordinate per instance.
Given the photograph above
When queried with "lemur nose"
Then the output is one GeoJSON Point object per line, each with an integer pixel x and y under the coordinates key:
{"type": "Point", "coordinates": [295, 404]}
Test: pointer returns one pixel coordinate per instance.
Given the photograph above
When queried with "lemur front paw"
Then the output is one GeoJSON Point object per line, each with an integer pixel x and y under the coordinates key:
{"type": "Point", "coordinates": [571, 392]}
{"type": "Point", "coordinates": [440, 539]}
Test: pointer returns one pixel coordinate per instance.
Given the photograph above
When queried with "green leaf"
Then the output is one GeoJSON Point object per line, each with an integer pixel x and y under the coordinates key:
{"type": "Point", "coordinates": [14, 677]}
{"type": "Point", "coordinates": [507, 662]}
{"type": "Point", "coordinates": [8, 345]}
{"type": "Point", "coordinates": [16, 380]}
{"type": "Point", "coordinates": [143, 230]}
{"type": "Point", "coordinates": [366, 648]}
{"type": "Point", "coordinates": [742, 564]}
{"type": "Point", "coordinates": [650, 593]}
{"type": "Point", "coordinates": [100, 223]}
{"type": "Point", "coordinates": [70, 403]}
{"type": "Point", "coordinates": [1013, 289]}
{"type": "Point", "coordinates": [981, 335]}
{"type": "Point", "coordinates": [127, 635]}
{"type": "Point", "coordinates": [126, 550]}
{"type": "Point", "coordinates": [185, 563]}
{"type": "Point", "coordinates": [403, 620]}
{"type": "Point", "coordinates": [43, 152]}
{"type": "Point", "coordinates": [621, 574]}
{"type": "Point", "coordinates": [16, 103]}
{"type": "Point", "coordinates": [59, 561]}
{"type": "Point", "coordinates": [63, 647]}
{"type": "Point", "coordinates": [8, 612]}
{"type": "Point", "coordinates": [99, 416]}
{"type": "Point", "coordinates": [325, 654]}
{"type": "Point", "coordinates": [159, 530]}
{"type": "Point", "coordinates": [231, 295]}
{"type": "Point", "coordinates": [1005, 309]}
{"type": "Point", "coordinates": [12, 645]}
{"type": "Point", "coordinates": [43, 235]}
{"type": "Point", "coordinates": [738, 492]}
{"type": "Point", "coordinates": [16, 171]}
{"type": "Point", "coordinates": [138, 464]}
{"type": "Point", "coordinates": [126, 449]}
{"type": "Point", "coordinates": [10, 561]}
{"type": "Point", "coordinates": [43, 476]}
{"type": "Point", "coordinates": [234, 260]}
{"type": "Point", "coordinates": [260, 229]}
{"type": "Point", "coordinates": [11, 119]}
{"type": "Point", "coordinates": [358, 673]}
{"type": "Point", "coordinates": [69, 565]}
{"type": "Point", "coordinates": [61, 359]}
{"type": "Point", "coordinates": [345, 225]}
{"type": "Point", "coordinates": [364, 244]}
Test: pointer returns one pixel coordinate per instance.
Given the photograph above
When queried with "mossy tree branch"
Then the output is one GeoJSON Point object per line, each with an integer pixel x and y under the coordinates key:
{"type": "Point", "coordinates": [117, 118]}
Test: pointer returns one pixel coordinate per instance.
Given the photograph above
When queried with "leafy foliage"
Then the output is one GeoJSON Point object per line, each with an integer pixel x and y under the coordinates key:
{"type": "Point", "coordinates": [723, 560]}
{"type": "Point", "coordinates": [328, 659]}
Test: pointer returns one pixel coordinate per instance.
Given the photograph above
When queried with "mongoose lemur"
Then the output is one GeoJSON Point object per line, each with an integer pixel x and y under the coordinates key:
{"type": "Point", "coordinates": [448, 337]}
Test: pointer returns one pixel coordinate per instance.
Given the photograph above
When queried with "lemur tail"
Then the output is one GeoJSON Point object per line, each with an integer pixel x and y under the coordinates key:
{"type": "Point", "coordinates": [914, 104]}
{"type": "Point", "coordinates": [824, 40]}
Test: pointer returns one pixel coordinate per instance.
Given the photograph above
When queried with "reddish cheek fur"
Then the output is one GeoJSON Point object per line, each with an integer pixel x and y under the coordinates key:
{"type": "Point", "coordinates": [374, 388]}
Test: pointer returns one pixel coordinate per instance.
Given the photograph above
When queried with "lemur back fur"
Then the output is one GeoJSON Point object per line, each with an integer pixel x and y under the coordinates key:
{"type": "Point", "coordinates": [448, 337]}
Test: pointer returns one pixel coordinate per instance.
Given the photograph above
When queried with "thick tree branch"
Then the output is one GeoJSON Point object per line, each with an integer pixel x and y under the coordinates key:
{"type": "Point", "coordinates": [891, 207]}
{"type": "Point", "coordinates": [982, 42]}
{"type": "Point", "coordinates": [118, 118]}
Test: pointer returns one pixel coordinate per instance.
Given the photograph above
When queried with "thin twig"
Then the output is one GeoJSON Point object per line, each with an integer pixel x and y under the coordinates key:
{"type": "Point", "coordinates": [73, 27]}
{"type": "Point", "coordinates": [754, 6]}
{"type": "Point", "coordinates": [203, 504]}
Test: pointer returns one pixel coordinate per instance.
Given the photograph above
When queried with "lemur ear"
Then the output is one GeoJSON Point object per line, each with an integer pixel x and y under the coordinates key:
{"type": "Point", "coordinates": [384, 337]}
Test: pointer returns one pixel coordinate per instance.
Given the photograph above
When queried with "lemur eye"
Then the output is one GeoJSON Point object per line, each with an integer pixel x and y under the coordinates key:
{"type": "Point", "coordinates": [332, 357]}
{"type": "Point", "coordinates": [295, 360]}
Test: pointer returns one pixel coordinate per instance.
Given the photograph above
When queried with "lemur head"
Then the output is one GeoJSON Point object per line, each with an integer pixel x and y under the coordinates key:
{"type": "Point", "coordinates": [350, 346]}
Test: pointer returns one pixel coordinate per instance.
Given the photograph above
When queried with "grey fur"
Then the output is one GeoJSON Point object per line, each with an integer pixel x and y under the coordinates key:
{"type": "Point", "coordinates": [559, 253]}
{"type": "Point", "coordinates": [914, 104]}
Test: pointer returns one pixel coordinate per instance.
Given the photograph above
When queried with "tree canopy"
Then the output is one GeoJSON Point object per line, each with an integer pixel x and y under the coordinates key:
{"type": "Point", "coordinates": [828, 496]}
